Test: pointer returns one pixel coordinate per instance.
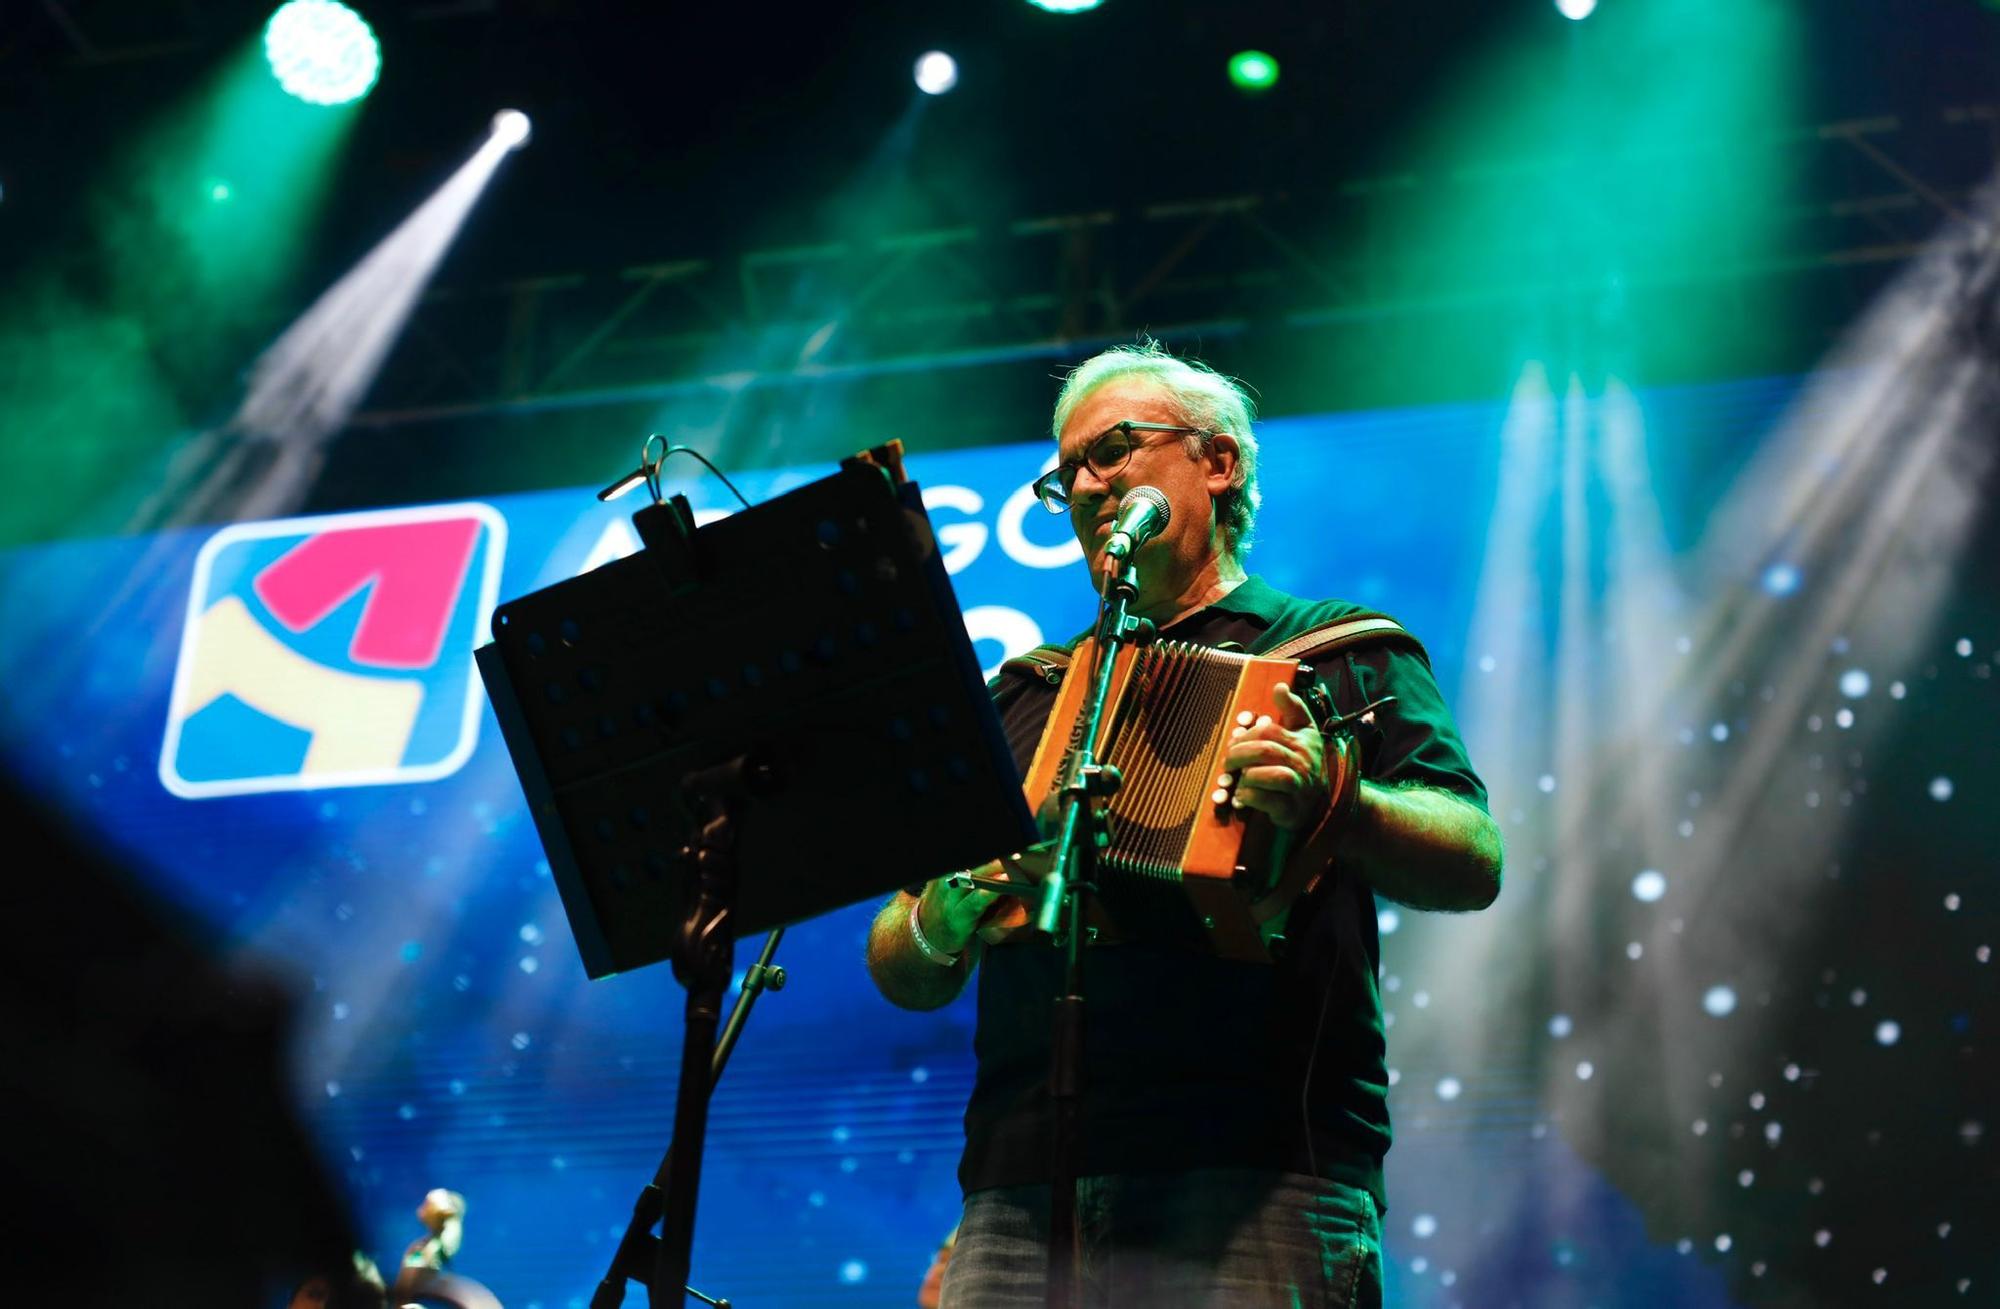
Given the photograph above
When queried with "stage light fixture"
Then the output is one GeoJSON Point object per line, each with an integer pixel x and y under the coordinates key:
{"type": "Point", "coordinates": [511, 128]}
{"type": "Point", "coordinates": [936, 72]}
{"type": "Point", "coordinates": [322, 52]}
{"type": "Point", "coordinates": [220, 192]}
{"type": "Point", "coordinates": [1253, 70]}
{"type": "Point", "coordinates": [1065, 6]}
{"type": "Point", "coordinates": [1576, 10]}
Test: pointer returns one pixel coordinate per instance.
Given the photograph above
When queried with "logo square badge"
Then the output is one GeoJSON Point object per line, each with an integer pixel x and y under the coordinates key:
{"type": "Point", "coordinates": [333, 651]}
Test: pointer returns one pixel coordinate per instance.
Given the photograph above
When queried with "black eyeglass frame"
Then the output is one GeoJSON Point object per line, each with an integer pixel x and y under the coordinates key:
{"type": "Point", "coordinates": [1050, 487]}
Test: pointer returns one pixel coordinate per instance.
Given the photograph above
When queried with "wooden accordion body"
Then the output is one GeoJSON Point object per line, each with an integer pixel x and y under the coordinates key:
{"type": "Point", "coordinates": [1183, 867]}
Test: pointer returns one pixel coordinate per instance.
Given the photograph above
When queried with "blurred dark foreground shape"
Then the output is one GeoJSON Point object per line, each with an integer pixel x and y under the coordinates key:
{"type": "Point", "coordinates": [153, 1156]}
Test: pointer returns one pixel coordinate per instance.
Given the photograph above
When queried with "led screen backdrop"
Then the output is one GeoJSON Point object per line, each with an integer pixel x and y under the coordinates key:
{"type": "Point", "coordinates": [276, 724]}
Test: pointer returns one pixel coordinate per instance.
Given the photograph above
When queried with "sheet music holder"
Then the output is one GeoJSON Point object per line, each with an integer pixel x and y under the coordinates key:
{"type": "Point", "coordinates": [743, 726]}
{"type": "Point", "coordinates": [819, 627]}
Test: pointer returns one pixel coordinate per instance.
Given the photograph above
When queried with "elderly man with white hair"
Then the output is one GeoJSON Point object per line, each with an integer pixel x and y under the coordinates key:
{"type": "Point", "coordinates": [1234, 1113]}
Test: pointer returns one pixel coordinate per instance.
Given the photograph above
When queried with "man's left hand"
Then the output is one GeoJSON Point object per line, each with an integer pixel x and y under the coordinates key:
{"type": "Point", "coordinates": [1280, 762]}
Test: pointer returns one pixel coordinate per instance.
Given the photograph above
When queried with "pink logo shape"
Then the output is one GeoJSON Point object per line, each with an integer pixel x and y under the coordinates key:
{"type": "Point", "coordinates": [414, 572]}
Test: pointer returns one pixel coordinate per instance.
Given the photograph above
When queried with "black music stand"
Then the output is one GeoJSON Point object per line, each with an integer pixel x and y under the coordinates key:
{"type": "Point", "coordinates": [742, 727]}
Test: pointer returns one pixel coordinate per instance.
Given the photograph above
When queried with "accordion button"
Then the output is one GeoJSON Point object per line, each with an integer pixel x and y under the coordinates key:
{"type": "Point", "coordinates": [1220, 797]}
{"type": "Point", "coordinates": [1245, 718]}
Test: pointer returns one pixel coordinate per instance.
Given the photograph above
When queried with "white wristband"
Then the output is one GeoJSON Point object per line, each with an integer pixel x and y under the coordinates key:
{"type": "Point", "coordinates": [939, 957]}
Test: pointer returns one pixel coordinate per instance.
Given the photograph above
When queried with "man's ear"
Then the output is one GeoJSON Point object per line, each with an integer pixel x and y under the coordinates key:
{"type": "Point", "coordinates": [1219, 463]}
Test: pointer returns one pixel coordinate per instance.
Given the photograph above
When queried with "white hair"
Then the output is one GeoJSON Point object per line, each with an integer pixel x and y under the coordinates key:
{"type": "Point", "coordinates": [1200, 397]}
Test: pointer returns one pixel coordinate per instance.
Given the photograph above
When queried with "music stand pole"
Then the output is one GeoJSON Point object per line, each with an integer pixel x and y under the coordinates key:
{"type": "Point", "coordinates": [635, 1255]}
{"type": "Point", "coordinates": [1086, 792]}
{"type": "Point", "coordinates": [702, 960]}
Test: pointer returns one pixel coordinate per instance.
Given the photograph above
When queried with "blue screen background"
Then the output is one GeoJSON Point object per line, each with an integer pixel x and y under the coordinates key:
{"type": "Point", "coordinates": [451, 1039]}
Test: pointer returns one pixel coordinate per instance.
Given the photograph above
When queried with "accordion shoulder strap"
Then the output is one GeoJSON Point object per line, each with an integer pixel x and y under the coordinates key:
{"type": "Point", "coordinates": [1344, 634]}
{"type": "Point", "coordinates": [1048, 662]}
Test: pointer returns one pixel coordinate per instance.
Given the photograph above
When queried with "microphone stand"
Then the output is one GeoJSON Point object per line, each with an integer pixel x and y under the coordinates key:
{"type": "Point", "coordinates": [1085, 796]}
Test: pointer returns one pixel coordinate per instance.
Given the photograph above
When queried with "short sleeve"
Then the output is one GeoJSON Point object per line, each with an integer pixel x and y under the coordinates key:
{"type": "Point", "coordinates": [1419, 741]}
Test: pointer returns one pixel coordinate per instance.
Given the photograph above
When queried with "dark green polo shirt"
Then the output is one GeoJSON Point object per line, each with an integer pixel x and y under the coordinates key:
{"type": "Point", "coordinates": [1196, 1062]}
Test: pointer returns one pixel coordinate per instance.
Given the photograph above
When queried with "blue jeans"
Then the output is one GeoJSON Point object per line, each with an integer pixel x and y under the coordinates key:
{"type": "Point", "coordinates": [1219, 1238]}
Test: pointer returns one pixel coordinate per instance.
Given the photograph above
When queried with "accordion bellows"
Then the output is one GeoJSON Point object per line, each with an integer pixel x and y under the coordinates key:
{"type": "Point", "coordinates": [1184, 866]}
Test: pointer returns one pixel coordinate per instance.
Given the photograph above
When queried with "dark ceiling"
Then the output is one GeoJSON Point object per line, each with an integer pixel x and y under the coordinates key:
{"type": "Point", "coordinates": [668, 129]}
{"type": "Point", "coordinates": [706, 136]}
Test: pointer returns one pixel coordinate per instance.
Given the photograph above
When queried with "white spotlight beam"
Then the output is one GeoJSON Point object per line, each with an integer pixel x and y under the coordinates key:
{"type": "Point", "coordinates": [308, 383]}
{"type": "Point", "coordinates": [1504, 640]}
{"type": "Point", "coordinates": [1579, 696]}
{"type": "Point", "coordinates": [1644, 603]}
{"type": "Point", "coordinates": [1873, 487]}
{"type": "Point", "coordinates": [1505, 697]}
{"type": "Point", "coordinates": [1888, 424]}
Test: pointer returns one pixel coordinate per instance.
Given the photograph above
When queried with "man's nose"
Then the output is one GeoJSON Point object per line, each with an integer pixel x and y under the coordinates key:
{"type": "Point", "coordinates": [1089, 487]}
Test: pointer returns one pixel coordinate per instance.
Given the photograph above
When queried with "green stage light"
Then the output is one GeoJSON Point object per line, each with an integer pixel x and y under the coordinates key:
{"type": "Point", "coordinates": [1065, 6]}
{"type": "Point", "coordinates": [322, 51]}
{"type": "Point", "coordinates": [220, 191]}
{"type": "Point", "coordinates": [1253, 70]}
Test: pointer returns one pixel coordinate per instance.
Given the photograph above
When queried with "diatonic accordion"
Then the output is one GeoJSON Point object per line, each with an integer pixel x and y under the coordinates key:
{"type": "Point", "coordinates": [1184, 866]}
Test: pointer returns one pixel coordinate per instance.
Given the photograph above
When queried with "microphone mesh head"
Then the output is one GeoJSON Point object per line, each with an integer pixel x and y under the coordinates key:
{"type": "Point", "coordinates": [1153, 494]}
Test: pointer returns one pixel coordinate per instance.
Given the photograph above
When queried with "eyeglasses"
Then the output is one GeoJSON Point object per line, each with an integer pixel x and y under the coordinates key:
{"type": "Point", "coordinates": [1106, 456]}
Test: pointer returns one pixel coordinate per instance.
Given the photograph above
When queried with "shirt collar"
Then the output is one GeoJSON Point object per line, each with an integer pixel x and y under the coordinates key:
{"type": "Point", "coordinates": [1254, 598]}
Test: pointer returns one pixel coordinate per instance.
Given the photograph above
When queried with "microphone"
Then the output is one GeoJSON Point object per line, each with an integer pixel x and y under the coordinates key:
{"type": "Point", "coordinates": [1142, 515]}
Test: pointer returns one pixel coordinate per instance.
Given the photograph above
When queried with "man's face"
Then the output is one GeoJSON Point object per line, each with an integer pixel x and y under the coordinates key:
{"type": "Point", "coordinates": [1158, 459]}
